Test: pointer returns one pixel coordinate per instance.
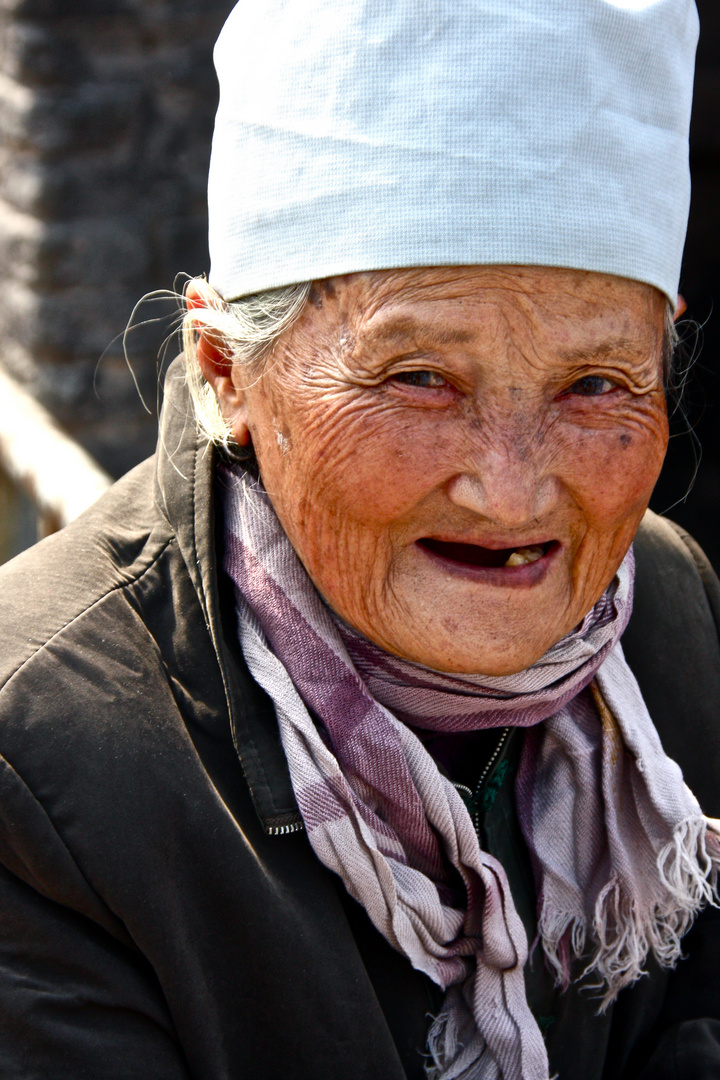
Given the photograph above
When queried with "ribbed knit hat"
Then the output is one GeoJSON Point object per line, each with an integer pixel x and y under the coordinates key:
{"type": "Point", "coordinates": [370, 134]}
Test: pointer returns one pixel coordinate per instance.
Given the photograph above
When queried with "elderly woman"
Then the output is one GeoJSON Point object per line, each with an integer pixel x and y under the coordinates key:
{"type": "Point", "coordinates": [323, 756]}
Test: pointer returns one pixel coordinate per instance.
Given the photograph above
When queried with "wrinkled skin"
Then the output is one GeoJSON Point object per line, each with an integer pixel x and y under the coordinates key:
{"type": "Point", "coordinates": [495, 406]}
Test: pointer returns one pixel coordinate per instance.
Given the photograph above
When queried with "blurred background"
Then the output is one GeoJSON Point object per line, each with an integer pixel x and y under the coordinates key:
{"type": "Point", "coordinates": [106, 112]}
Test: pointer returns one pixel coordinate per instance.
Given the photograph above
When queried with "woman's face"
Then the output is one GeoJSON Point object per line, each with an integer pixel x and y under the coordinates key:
{"type": "Point", "coordinates": [415, 428]}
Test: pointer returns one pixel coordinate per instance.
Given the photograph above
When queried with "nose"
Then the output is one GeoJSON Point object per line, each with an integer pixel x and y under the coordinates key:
{"type": "Point", "coordinates": [508, 485]}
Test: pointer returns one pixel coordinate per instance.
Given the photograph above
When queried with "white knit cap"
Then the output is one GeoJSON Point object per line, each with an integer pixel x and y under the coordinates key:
{"type": "Point", "coordinates": [369, 134]}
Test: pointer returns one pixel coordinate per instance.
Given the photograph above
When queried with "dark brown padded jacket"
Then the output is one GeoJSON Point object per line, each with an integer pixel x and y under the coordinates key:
{"type": "Point", "coordinates": [162, 915]}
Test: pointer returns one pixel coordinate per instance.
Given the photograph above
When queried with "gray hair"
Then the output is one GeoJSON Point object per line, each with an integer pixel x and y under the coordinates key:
{"type": "Point", "coordinates": [248, 328]}
{"type": "Point", "coordinates": [671, 340]}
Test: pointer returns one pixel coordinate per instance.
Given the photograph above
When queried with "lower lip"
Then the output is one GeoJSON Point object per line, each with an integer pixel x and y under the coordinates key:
{"type": "Point", "coordinates": [523, 577]}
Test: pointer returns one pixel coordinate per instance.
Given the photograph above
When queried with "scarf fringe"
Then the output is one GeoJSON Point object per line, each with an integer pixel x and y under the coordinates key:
{"type": "Point", "coordinates": [449, 1059]}
{"type": "Point", "coordinates": [443, 1043]}
{"type": "Point", "coordinates": [688, 869]}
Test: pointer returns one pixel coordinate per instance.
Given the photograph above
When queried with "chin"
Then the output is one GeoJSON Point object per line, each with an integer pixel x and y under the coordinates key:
{"type": "Point", "coordinates": [504, 642]}
{"type": "Point", "coordinates": [495, 659]}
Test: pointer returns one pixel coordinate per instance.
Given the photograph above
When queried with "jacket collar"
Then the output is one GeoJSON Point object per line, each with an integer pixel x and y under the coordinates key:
{"type": "Point", "coordinates": [184, 494]}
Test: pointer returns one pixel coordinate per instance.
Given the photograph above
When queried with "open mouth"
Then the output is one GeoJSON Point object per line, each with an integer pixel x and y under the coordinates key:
{"type": "Point", "coordinates": [475, 555]}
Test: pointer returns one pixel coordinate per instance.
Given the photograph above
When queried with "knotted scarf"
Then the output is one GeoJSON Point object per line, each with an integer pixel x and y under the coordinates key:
{"type": "Point", "coordinates": [623, 855]}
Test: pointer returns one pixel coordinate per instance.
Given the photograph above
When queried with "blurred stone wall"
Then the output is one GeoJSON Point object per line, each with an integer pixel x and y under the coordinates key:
{"type": "Point", "coordinates": [106, 111]}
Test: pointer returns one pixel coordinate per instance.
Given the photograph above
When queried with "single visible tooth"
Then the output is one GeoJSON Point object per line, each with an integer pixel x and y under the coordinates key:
{"type": "Point", "coordinates": [525, 555]}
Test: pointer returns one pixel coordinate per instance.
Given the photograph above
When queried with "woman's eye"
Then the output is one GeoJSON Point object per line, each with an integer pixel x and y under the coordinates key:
{"type": "Point", "coordinates": [426, 380]}
{"type": "Point", "coordinates": [592, 386]}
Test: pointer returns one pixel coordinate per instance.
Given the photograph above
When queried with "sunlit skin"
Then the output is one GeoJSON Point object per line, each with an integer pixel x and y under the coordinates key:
{"type": "Point", "coordinates": [502, 407]}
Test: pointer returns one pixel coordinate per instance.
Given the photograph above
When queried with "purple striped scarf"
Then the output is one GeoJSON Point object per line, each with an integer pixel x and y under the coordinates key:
{"type": "Point", "coordinates": [624, 857]}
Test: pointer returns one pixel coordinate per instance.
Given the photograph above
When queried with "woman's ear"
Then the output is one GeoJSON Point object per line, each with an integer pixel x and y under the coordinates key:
{"type": "Point", "coordinates": [217, 369]}
{"type": "Point", "coordinates": [680, 307]}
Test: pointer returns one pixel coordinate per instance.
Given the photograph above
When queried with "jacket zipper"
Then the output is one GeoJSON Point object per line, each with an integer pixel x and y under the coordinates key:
{"type": "Point", "coordinates": [469, 797]}
{"type": "Point", "coordinates": [472, 798]}
{"type": "Point", "coordinates": [284, 830]}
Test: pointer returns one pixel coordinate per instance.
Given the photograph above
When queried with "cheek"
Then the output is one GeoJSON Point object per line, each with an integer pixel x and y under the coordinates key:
{"type": "Point", "coordinates": [613, 470]}
{"type": "Point", "coordinates": [346, 493]}
{"type": "Point", "coordinates": [363, 463]}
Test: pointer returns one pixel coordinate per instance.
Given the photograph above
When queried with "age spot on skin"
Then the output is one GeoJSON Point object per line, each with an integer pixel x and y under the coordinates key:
{"type": "Point", "coordinates": [315, 297]}
{"type": "Point", "coordinates": [625, 439]}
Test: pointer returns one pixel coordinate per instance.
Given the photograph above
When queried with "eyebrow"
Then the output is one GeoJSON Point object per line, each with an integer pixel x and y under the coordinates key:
{"type": "Point", "coordinates": [588, 353]}
{"type": "Point", "coordinates": [408, 329]}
